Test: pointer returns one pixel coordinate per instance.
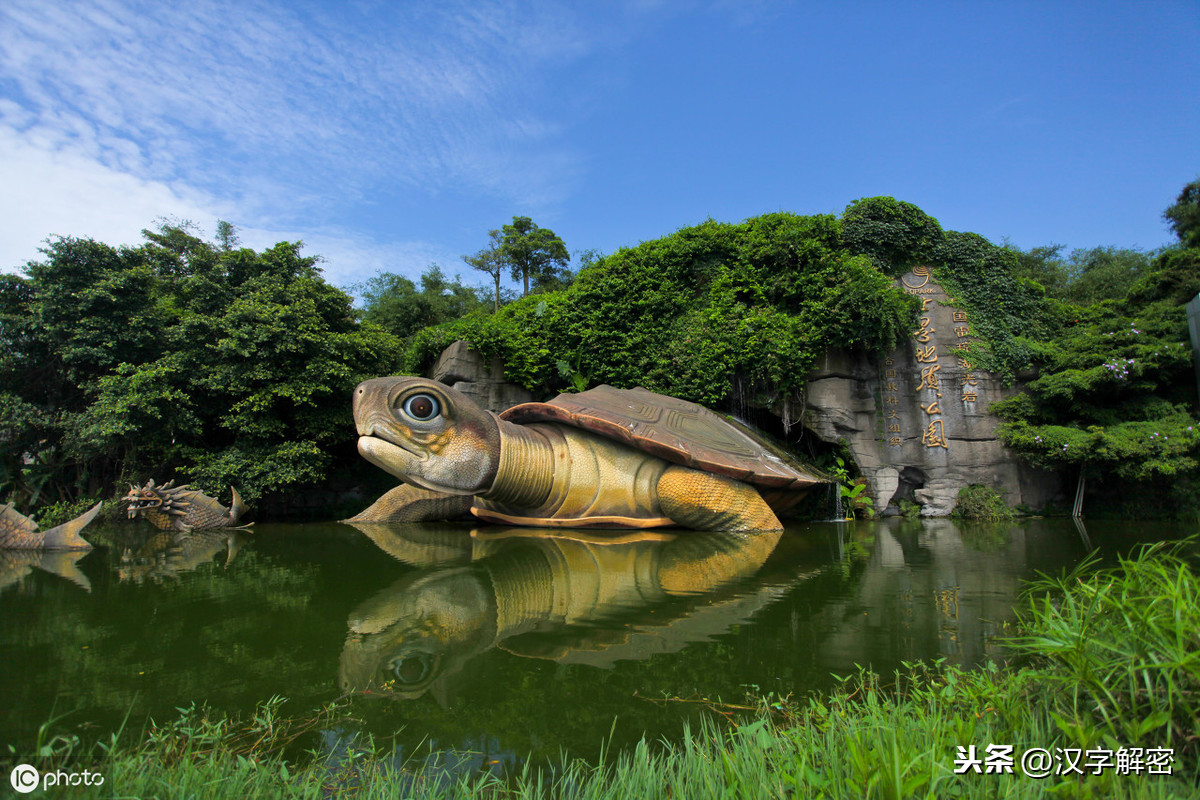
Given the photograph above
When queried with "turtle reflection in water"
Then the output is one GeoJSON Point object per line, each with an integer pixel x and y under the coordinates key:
{"type": "Point", "coordinates": [569, 597]}
{"type": "Point", "coordinates": [607, 458]}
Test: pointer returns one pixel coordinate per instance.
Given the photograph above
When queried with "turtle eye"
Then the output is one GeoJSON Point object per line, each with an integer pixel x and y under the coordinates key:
{"type": "Point", "coordinates": [412, 669]}
{"type": "Point", "coordinates": [421, 407]}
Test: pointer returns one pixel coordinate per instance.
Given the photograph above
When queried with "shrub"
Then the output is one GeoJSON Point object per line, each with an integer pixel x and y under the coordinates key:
{"type": "Point", "coordinates": [981, 502]}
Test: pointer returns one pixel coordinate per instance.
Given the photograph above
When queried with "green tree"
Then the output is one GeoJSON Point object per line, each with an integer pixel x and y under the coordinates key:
{"type": "Point", "coordinates": [1184, 215]}
{"type": "Point", "coordinates": [894, 234]}
{"type": "Point", "coordinates": [491, 260]}
{"type": "Point", "coordinates": [1102, 273]}
{"type": "Point", "coordinates": [450, 298]}
{"type": "Point", "coordinates": [1044, 265]}
{"type": "Point", "coordinates": [709, 313]}
{"type": "Point", "coordinates": [227, 238]}
{"type": "Point", "coordinates": [177, 357]}
{"type": "Point", "coordinates": [396, 304]}
{"type": "Point", "coordinates": [534, 255]}
{"type": "Point", "coordinates": [1114, 394]}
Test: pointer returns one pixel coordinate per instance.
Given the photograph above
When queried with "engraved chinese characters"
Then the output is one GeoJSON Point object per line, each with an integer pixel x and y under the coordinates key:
{"type": "Point", "coordinates": [935, 369]}
{"type": "Point", "coordinates": [909, 442]}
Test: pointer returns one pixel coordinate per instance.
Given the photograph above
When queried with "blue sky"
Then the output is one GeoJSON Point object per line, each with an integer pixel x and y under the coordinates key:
{"type": "Point", "coordinates": [395, 134]}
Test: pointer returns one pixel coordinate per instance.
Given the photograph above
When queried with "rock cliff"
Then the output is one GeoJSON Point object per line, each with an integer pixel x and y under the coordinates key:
{"type": "Point", "coordinates": [916, 421]}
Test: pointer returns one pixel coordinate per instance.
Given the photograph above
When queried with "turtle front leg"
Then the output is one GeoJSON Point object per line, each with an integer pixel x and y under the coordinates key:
{"type": "Point", "coordinates": [711, 502]}
{"type": "Point", "coordinates": [408, 503]}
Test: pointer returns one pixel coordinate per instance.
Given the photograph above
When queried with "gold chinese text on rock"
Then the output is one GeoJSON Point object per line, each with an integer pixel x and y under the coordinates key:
{"type": "Point", "coordinates": [928, 371]}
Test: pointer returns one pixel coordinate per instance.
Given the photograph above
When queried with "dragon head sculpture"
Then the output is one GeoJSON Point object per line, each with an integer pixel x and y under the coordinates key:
{"type": "Point", "coordinates": [179, 508]}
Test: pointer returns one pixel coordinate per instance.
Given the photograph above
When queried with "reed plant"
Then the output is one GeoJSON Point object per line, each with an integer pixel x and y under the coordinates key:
{"type": "Point", "coordinates": [1118, 651]}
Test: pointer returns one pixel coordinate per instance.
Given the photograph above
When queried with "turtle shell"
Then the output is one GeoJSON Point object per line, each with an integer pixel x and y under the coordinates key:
{"type": "Point", "coordinates": [674, 430]}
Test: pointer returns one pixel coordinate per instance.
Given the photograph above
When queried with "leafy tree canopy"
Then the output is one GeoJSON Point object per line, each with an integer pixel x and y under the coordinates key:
{"type": "Point", "coordinates": [394, 302]}
{"type": "Point", "coordinates": [1113, 391]}
{"type": "Point", "coordinates": [696, 314]}
{"type": "Point", "coordinates": [177, 358]}
{"type": "Point", "coordinates": [534, 255]}
{"type": "Point", "coordinates": [1184, 215]}
{"type": "Point", "coordinates": [1086, 276]}
{"type": "Point", "coordinates": [490, 260]}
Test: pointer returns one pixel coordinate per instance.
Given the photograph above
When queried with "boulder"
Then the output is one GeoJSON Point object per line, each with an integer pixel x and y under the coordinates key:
{"type": "Point", "coordinates": [463, 368]}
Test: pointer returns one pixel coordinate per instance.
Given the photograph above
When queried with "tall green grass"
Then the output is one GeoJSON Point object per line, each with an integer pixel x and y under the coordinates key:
{"type": "Point", "coordinates": [1109, 659]}
{"type": "Point", "coordinates": [1121, 651]}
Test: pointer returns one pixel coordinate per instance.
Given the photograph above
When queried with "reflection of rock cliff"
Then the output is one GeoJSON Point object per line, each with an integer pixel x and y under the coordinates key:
{"type": "Point", "coordinates": [569, 597]}
{"type": "Point", "coordinates": [935, 588]}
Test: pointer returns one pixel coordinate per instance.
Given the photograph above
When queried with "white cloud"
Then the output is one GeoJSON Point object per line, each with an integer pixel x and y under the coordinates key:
{"type": "Point", "coordinates": [114, 113]}
{"type": "Point", "coordinates": [213, 91]}
{"type": "Point", "coordinates": [57, 189]}
{"type": "Point", "coordinates": [65, 191]}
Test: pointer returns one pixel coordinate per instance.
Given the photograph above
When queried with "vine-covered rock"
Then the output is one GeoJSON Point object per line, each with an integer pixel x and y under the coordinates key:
{"type": "Point", "coordinates": [712, 311]}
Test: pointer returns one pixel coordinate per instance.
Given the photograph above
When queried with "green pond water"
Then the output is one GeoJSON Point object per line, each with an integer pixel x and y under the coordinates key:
{"type": "Point", "coordinates": [492, 646]}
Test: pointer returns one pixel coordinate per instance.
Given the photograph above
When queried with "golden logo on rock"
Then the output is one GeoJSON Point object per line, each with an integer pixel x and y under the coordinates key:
{"type": "Point", "coordinates": [918, 272]}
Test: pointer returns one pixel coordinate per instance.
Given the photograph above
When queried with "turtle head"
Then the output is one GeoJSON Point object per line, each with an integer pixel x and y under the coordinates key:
{"type": "Point", "coordinates": [427, 434]}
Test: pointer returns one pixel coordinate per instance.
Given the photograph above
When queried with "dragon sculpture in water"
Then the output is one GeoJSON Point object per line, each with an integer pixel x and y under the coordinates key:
{"type": "Point", "coordinates": [178, 508]}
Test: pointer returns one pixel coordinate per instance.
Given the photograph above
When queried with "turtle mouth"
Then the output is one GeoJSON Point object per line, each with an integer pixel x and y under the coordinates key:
{"type": "Point", "coordinates": [391, 457]}
{"type": "Point", "coordinates": [380, 443]}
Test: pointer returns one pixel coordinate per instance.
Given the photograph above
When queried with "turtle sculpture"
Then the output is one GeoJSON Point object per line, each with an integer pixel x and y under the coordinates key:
{"type": "Point", "coordinates": [605, 458]}
{"type": "Point", "coordinates": [19, 532]}
{"type": "Point", "coordinates": [178, 508]}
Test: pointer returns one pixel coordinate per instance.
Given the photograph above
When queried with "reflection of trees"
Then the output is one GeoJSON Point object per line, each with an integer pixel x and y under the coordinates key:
{"type": "Point", "coordinates": [228, 635]}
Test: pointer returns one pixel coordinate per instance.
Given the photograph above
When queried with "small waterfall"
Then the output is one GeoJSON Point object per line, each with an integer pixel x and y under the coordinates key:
{"type": "Point", "coordinates": [739, 399]}
{"type": "Point", "coordinates": [839, 510]}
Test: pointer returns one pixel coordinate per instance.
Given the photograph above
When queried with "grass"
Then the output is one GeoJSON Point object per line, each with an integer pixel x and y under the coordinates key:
{"type": "Point", "coordinates": [1109, 659]}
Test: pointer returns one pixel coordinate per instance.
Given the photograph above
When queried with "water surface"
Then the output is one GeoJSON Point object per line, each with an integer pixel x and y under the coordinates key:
{"type": "Point", "coordinates": [503, 643]}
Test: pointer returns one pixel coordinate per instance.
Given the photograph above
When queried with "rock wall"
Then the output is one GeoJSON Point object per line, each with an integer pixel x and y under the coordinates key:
{"type": "Point", "coordinates": [916, 422]}
{"type": "Point", "coordinates": [464, 369]}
